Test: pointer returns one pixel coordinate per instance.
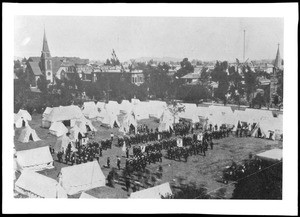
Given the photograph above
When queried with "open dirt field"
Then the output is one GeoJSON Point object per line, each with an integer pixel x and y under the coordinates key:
{"type": "Point", "coordinates": [202, 170]}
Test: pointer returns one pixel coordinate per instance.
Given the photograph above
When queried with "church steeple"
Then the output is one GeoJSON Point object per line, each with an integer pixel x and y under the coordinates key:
{"type": "Point", "coordinates": [278, 60]}
{"type": "Point", "coordinates": [45, 49]}
{"type": "Point", "coordinates": [46, 60]}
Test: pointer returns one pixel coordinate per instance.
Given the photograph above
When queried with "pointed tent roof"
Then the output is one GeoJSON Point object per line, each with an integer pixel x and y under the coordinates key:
{"type": "Point", "coordinates": [278, 60]}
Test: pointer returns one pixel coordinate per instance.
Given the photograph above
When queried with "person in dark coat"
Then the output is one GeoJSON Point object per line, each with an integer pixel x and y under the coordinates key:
{"type": "Point", "coordinates": [118, 162]}
{"type": "Point", "coordinates": [127, 183]}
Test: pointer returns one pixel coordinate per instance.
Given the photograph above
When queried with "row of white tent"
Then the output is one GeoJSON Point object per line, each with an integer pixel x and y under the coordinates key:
{"type": "Point", "coordinates": [72, 180]}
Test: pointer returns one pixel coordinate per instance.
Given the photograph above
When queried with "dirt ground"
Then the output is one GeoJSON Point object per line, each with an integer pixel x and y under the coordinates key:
{"type": "Point", "coordinates": [204, 171]}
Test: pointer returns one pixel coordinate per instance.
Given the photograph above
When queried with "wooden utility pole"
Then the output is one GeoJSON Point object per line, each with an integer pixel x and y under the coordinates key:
{"type": "Point", "coordinates": [244, 46]}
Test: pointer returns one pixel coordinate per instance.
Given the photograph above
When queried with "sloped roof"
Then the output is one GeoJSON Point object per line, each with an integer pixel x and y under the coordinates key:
{"type": "Point", "coordinates": [153, 193]}
{"type": "Point", "coordinates": [34, 157]}
{"type": "Point", "coordinates": [82, 177]}
{"type": "Point", "coordinates": [56, 63]}
{"type": "Point", "coordinates": [35, 68]}
{"type": "Point", "coordinates": [40, 185]}
{"type": "Point", "coordinates": [34, 59]}
{"type": "Point", "coordinates": [274, 154]}
{"type": "Point", "coordinates": [192, 76]}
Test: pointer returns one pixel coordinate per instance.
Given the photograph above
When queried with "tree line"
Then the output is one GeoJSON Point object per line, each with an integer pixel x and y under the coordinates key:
{"type": "Point", "coordinates": [159, 83]}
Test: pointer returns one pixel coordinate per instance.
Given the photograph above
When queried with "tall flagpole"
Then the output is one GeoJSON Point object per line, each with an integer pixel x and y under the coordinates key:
{"type": "Point", "coordinates": [244, 46]}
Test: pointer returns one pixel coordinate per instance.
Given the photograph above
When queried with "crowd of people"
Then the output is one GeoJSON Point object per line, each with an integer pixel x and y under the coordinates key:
{"type": "Point", "coordinates": [83, 153]}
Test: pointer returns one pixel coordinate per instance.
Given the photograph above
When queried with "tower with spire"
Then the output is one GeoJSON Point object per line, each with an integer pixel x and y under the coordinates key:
{"type": "Point", "coordinates": [46, 60]}
{"type": "Point", "coordinates": [277, 62]}
{"type": "Point", "coordinates": [276, 68]}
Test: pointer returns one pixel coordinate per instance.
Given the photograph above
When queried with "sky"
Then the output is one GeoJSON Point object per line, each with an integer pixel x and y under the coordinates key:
{"type": "Point", "coordinates": [207, 39]}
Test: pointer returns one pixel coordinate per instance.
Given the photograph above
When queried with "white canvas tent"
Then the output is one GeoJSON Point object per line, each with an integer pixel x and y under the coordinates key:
{"type": "Point", "coordinates": [58, 129]}
{"type": "Point", "coordinates": [47, 111]}
{"type": "Point", "coordinates": [156, 108]}
{"type": "Point", "coordinates": [190, 112]}
{"type": "Point", "coordinates": [125, 106]}
{"type": "Point", "coordinates": [62, 142]}
{"type": "Point", "coordinates": [86, 196]}
{"type": "Point", "coordinates": [166, 121]}
{"type": "Point", "coordinates": [224, 110]}
{"type": "Point", "coordinates": [155, 192]}
{"type": "Point", "coordinates": [28, 134]}
{"type": "Point", "coordinates": [269, 128]}
{"type": "Point", "coordinates": [258, 114]}
{"type": "Point", "coordinates": [203, 112]}
{"type": "Point", "coordinates": [85, 125]}
{"type": "Point", "coordinates": [100, 105]}
{"type": "Point", "coordinates": [25, 115]}
{"type": "Point", "coordinates": [141, 110]}
{"type": "Point", "coordinates": [63, 113]}
{"type": "Point", "coordinates": [19, 121]}
{"type": "Point", "coordinates": [34, 159]}
{"type": "Point", "coordinates": [128, 121]}
{"type": "Point", "coordinates": [271, 155]}
{"type": "Point", "coordinates": [82, 177]}
{"type": "Point", "coordinates": [113, 107]}
{"type": "Point", "coordinates": [35, 185]}
{"type": "Point", "coordinates": [109, 119]}
{"type": "Point", "coordinates": [74, 132]}
{"type": "Point", "coordinates": [90, 110]}
{"type": "Point", "coordinates": [135, 101]}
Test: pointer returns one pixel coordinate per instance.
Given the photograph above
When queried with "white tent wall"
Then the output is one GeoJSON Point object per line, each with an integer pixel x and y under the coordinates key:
{"type": "Point", "coordinates": [266, 125]}
{"type": "Point", "coordinates": [19, 121]}
{"type": "Point", "coordinates": [82, 177]}
{"type": "Point", "coordinates": [47, 112]}
{"type": "Point", "coordinates": [155, 192]}
{"type": "Point", "coordinates": [258, 114]}
{"type": "Point", "coordinates": [63, 142]}
{"type": "Point", "coordinates": [271, 155]}
{"type": "Point", "coordinates": [113, 107]}
{"type": "Point", "coordinates": [90, 110]}
{"type": "Point", "coordinates": [141, 110]}
{"type": "Point", "coordinates": [58, 129]}
{"type": "Point", "coordinates": [109, 119]}
{"type": "Point", "coordinates": [156, 108]}
{"type": "Point", "coordinates": [27, 134]}
{"type": "Point", "coordinates": [213, 109]}
{"type": "Point", "coordinates": [135, 101]}
{"type": "Point", "coordinates": [74, 133]}
{"type": "Point", "coordinates": [126, 122]}
{"type": "Point", "coordinates": [86, 196]}
{"type": "Point", "coordinates": [35, 185]}
{"type": "Point", "coordinates": [35, 159]}
{"type": "Point", "coordinates": [202, 112]}
{"type": "Point", "coordinates": [126, 106]}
